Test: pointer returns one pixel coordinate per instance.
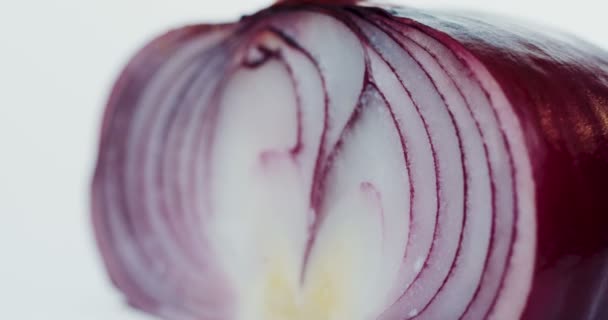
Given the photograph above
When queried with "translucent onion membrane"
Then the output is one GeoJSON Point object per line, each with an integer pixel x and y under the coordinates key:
{"type": "Point", "coordinates": [341, 162]}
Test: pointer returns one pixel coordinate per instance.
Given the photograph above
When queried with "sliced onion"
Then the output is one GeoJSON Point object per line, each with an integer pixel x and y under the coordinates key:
{"type": "Point", "coordinates": [329, 161]}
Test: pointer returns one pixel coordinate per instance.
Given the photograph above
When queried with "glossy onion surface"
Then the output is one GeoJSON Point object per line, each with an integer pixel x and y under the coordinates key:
{"type": "Point", "coordinates": [341, 162]}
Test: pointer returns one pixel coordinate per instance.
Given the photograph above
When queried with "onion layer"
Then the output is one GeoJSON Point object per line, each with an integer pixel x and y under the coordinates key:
{"type": "Point", "coordinates": [339, 162]}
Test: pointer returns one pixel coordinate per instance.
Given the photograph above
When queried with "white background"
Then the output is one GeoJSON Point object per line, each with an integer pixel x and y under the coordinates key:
{"type": "Point", "coordinates": [58, 59]}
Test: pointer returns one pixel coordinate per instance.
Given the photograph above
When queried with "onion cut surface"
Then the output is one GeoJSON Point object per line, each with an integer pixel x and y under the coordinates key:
{"type": "Point", "coordinates": [321, 161]}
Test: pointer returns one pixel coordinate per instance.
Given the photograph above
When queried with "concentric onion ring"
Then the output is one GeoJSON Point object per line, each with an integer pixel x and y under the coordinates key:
{"type": "Point", "coordinates": [337, 162]}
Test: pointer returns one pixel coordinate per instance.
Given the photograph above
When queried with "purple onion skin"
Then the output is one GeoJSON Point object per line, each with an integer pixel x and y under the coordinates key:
{"type": "Point", "coordinates": [559, 88]}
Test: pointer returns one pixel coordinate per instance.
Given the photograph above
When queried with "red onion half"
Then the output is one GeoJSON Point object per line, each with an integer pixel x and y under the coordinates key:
{"type": "Point", "coordinates": [320, 161]}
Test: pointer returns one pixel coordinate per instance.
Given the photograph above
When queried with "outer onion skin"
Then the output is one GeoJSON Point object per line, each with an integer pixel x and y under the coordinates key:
{"type": "Point", "coordinates": [550, 94]}
{"type": "Point", "coordinates": [559, 89]}
{"type": "Point", "coordinates": [560, 92]}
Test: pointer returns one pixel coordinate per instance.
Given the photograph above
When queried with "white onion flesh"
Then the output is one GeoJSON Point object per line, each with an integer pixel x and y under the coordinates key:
{"type": "Point", "coordinates": [312, 165]}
